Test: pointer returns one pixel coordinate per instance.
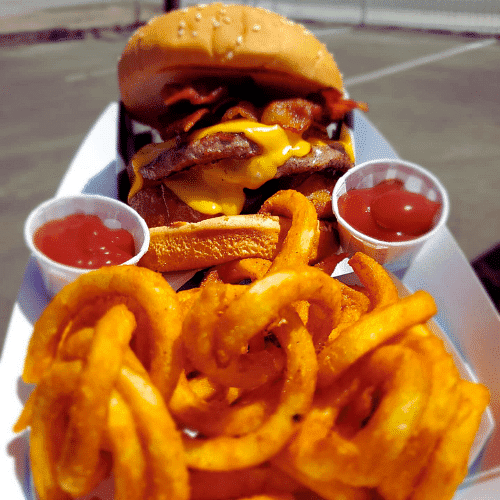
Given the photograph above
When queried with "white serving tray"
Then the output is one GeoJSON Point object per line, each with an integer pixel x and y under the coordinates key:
{"type": "Point", "coordinates": [466, 314]}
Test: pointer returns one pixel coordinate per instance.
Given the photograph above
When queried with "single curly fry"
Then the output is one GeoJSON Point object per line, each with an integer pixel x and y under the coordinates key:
{"type": "Point", "coordinates": [129, 461]}
{"type": "Point", "coordinates": [169, 477]}
{"type": "Point", "coordinates": [88, 412]}
{"type": "Point", "coordinates": [301, 242]}
{"type": "Point", "coordinates": [376, 280]}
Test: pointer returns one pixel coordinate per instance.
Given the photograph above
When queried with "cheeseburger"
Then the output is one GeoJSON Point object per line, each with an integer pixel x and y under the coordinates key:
{"type": "Point", "coordinates": [245, 101]}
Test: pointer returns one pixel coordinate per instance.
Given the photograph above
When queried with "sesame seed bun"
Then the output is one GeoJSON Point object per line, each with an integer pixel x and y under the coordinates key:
{"type": "Point", "coordinates": [220, 40]}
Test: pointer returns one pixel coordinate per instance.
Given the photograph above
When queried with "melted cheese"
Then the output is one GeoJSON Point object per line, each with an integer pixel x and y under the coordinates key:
{"type": "Point", "coordinates": [143, 157]}
{"type": "Point", "coordinates": [218, 187]}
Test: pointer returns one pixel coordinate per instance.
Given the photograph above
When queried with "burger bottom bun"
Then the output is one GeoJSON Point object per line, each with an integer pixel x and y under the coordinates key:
{"type": "Point", "coordinates": [218, 240]}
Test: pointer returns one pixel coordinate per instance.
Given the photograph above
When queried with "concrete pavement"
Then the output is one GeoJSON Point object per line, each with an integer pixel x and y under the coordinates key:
{"type": "Point", "coordinates": [73, 22]}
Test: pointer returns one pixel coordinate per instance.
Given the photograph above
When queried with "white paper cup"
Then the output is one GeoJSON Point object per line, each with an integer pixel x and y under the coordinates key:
{"type": "Point", "coordinates": [394, 255]}
{"type": "Point", "coordinates": [113, 213]}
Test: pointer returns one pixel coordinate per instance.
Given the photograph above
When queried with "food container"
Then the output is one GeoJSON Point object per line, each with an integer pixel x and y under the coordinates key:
{"type": "Point", "coordinates": [113, 213]}
{"type": "Point", "coordinates": [465, 313]}
{"type": "Point", "coordinates": [394, 255]}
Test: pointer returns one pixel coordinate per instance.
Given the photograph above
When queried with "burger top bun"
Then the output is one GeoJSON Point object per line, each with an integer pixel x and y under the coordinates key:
{"type": "Point", "coordinates": [224, 41]}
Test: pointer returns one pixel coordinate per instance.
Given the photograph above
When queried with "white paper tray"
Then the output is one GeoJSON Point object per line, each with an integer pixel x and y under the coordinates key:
{"type": "Point", "coordinates": [466, 313]}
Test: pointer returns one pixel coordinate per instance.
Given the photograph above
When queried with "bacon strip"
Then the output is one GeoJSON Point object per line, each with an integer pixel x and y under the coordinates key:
{"type": "Point", "coordinates": [243, 109]}
{"type": "Point", "coordinates": [291, 114]}
{"type": "Point", "coordinates": [338, 106]}
{"type": "Point", "coordinates": [183, 125]}
{"type": "Point", "coordinates": [172, 95]}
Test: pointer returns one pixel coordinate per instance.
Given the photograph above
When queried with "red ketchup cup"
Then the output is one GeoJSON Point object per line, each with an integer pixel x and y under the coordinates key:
{"type": "Point", "coordinates": [112, 213]}
{"type": "Point", "coordinates": [415, 180]}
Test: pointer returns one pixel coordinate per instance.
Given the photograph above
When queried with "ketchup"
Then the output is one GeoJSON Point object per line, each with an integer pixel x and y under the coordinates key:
{"type": "Point", "coordinates": [82, 240]}
{"type": "Point", "coordinates": [388, 212]}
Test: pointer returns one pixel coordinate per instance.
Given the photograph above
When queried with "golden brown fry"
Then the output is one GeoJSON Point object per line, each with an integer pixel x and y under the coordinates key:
{"type": "Point", "coordinates": [129, 461]}
{"type": "Point", "coordinates": [145, 293]}
{"type": "Point", "coordinates": [269, 496]}
{"type": "Point", "coordinates": [328, 490]}
{"type": "Point", "coordinates": [370, 331]}
{"type": "Point", "coordinates": [358, 426]}
{"type": "Point", "coordinates": [77, 345]}
{"type": "Point", "coordinates": [166, 462]}
{"type": "Point", "coordinates": [301, 241]}
{"type": "Point", "coordinates": [243, 269]}
{"type": "Point", "coordinates": [447, 466]}
{"type": "Point", "coordinates": [47, 426]}
{"type": "Point", "coordinates": [404, 472]}
{"type": "Point", "coordinates": [379, 285]}
{"type": "Point", "coordinates": [221, 485]}
{"type": "Point", "coordinates": [239, 452]}
{"type": "Point", "coordinates": [253, 369]}
{"type": "Point", "coordinates": [219, 412]}
{"type": "Point", "coordinates": [330, 262]}
{"type": "Point", "coordinates": [390, 417]}
{"type": "Point", "coordinates": [88, 412]}
{"type": "Point", "coordinates": [260, 305]}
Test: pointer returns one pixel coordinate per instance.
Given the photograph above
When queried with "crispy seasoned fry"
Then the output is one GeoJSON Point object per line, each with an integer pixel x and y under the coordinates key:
{"type": "Point", "coordinates": [447, 466]}
{"type": "Point", "coordinates": [403, 473]}
{"type": "Point", "coordinates": [145, 293]}
{"type": "Point", "coordinates": [305, 283]}
{"type": "Point", "coordinates": [169, 477]}
{"type": "Point", "coordinates": [329, 490]}
{"type": "Point", "coordinates": [370, 331]}
{"type": "Point", "coordinates": [243, 269]}
{"type": "Point", "coordinates": [292, 387]}
{"type": "Point", "coordinates": [356, 428]}
{"type": "Point", "coordinates": [47, 426]}
{"type": "Point", "coordinates": [129, 461]}
{"type": "Point", "coordinates": [300, 244]}
{"type": "Point", "coordinates": [239, 452]}
{"type": "Point", "coordinates": [221, 485]}
{"type": "Point", "coordinates": [378, 283]}
{"type": "Point", "coordinates": [88, 413]}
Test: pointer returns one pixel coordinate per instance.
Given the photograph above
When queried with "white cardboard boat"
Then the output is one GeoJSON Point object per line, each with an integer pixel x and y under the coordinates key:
{"type": "Point", "coordinates": [467, 316]}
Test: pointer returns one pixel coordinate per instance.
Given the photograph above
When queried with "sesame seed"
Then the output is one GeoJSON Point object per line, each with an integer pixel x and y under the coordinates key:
{"type": "Point", "coordinates": [226, 19]}
{"type": "Point", "coordinates": [256, 27]}
{"type": "Point", "coordinates": [194, 34]}
{"type": "Point", "coordinates": [230, 55]}
{"type": "Point", "coordinates": [197, 16]}
{"type": "Point", "coordinates": [180, 32]}
{"type": "Point", "coordinates": [215, 22]}
{"type": "Point", "coordinates": [182, 24]}
{"type": "Point", "coordinates": [239, 40]}
{"type": "Point", "coordinates": [201, 5]}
